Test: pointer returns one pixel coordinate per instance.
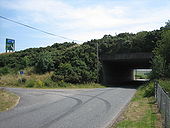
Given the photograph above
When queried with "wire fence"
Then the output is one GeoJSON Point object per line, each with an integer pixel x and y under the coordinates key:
{"type": "Point", "coordinates": [163, 102]}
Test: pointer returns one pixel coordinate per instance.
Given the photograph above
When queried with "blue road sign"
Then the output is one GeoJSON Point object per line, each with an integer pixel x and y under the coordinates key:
{"type": "Point", "coordinates": [10, 41]}
{"type": "Point", "coordinates": [21, 72]}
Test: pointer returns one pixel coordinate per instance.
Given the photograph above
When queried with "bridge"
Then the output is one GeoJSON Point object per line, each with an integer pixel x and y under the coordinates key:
{"type": "Point", "coordinates": [119, 67]}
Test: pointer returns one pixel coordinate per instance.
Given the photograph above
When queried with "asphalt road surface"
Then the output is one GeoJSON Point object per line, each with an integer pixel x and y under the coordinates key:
{"type": "Point", "coordinates": [66, 108]}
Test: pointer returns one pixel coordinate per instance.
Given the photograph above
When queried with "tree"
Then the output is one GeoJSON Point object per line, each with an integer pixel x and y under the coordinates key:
{"type": "Point", "coordinates": [67, 73]}
{"type": "Point", "coordinates": [167, 26]}
{"type": "Point", "coordinates": [158, 67]}
{"type": "Point", "coordinates": [161, 60]}
{"type": "Point", "coordinates": [44, 63]}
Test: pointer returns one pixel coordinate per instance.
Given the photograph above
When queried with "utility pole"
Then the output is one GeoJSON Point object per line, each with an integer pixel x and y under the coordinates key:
{"type": "Point", "coordinates": [97, 53]}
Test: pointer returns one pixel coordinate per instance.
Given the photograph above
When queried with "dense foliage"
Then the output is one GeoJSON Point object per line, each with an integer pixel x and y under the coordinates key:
{"type": "Point", "coordinates": [78, 65]}
{"type": "Point", "coordinates": [75, 63]}
{"type": "Point", "coordinates": [161, 60]}
{"type": "Point", "coordinates": [34, 56]}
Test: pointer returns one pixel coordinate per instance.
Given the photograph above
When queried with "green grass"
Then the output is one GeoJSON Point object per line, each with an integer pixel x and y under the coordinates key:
{"type": "Point", "coordinates": [165, 84]}
{"type": "Point", "coordinates": [141, 113]}
{"type": "Point", "coordinates": [32, 80]}
{"type": "Point", "coordinates": [7, 100]}
{"type": "Point", "coordinates": [141, 75]}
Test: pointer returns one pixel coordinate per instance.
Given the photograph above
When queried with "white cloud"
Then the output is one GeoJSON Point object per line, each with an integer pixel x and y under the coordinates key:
{"type": "Point", "coordinates": [89, 22]}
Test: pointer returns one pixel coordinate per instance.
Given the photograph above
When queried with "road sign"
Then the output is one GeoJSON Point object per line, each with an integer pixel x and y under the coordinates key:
{"type": "Point", "coordinates": [21, 72]}
{"type": "Point", "coordinates": [10, 45]}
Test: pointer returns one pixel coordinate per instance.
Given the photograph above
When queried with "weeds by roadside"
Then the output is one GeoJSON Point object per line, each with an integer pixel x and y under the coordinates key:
{"type": "Point", "coordinates": [141, 112]}
{"type": "Point", "coordinates": [7, 100]}
{"type": "Point", "coordinates": [165, 84]}
{"type": "Point", "coordinates": [31, 80]}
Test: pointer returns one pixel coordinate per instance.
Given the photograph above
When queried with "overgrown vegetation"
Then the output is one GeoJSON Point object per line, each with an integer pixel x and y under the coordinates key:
{"type": "Point", "coordinates": [165, 84]}
{"type": "Point", "coordinates": [141, 112]}
{"type": "Point", "coordinates": [161, 60]}
{"type": "Point", "coordinates": [73, 63]}
{"type": "Point", "coordinates": [7, 100]}
{"type": "Point", "coordinates": [32, 80]}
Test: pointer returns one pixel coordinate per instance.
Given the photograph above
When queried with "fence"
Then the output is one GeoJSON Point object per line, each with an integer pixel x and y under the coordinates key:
{"type": "Point", "coordinates": [163, 101]}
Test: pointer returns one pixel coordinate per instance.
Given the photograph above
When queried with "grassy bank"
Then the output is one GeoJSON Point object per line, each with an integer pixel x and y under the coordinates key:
{"type": "Point", "coordinates": [31, 80]}
{"type": "Point", "coordinates": [165, 84]}
{"type": "Point", "coordinates": [7, 100]}
{"type": "Point", "coordinates": [141, 112]}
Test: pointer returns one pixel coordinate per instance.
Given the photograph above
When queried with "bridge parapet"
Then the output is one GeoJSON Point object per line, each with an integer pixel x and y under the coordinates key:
{"type": "Point", "coordinates": [126, 56]}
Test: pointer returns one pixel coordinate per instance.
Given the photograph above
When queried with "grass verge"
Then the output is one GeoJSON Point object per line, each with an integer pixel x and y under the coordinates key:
{"type": "Point", "coordinates": [7, 100]}
{"type": "Point", "coordinates": [140, 113]}
{"type": "Point", "coordinates": [40, 81]}
{"type": "Point", "coordinates": [165, 84]}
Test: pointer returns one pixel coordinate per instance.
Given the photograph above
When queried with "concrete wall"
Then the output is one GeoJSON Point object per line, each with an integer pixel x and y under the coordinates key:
{"type": "Point", "coordinates": [113, 73]}
{"type": "Point", "coordinates": [119, 68]}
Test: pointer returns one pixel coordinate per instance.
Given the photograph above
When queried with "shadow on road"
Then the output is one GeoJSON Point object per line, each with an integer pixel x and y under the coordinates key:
{"type": "Point", "coordinates": [131, 84]}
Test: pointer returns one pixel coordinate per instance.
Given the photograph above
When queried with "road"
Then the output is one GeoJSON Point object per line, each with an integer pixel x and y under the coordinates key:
{"type": "Point", "coordinates": [66, 108]}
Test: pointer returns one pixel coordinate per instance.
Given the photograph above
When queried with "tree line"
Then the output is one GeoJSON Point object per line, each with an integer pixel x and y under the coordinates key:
{"type": "Point", "coordinates": [75, 63]}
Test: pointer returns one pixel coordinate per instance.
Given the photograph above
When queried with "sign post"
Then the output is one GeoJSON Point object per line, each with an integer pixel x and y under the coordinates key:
{"type": "Point", "coordinates": [21, 73]}
{"type": "Point", "coordinates": [10, 45]}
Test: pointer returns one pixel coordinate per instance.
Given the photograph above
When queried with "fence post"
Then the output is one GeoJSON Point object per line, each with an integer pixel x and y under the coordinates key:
{"type": "Point", "coordinates": [160, 107]}
{"type": "Point", "coordinates": [163, 103]}
{"type": "Point", "coordinates": [155, 84]}
{"type": "Point", "coordinates": [166, 103]}
{"type": "Point", "coordinates": [168, 94]}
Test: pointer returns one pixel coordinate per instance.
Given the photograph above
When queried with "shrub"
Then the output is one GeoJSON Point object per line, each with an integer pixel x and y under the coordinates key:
{"type": "Point", "coordinates": [165, 84]}
{"type": "Point", "coordinates": [4, 71]}
{"type": "Point", "coordinates": [22, 80]}
{"type": "Point", "coordinates": [48, 82]}
{"type": "Point", "coordinates": [149, 90]}
{"type": "Point", "coordinates": [39, 84]}
{"type": "Point", "coordinates": [56, 77]}
{"type": "Point", "coordinates": [61, 84]}
{"type": "Point", "coordinates": [30, 83]}
{"type": "Point", "coordinates": [44, 63]}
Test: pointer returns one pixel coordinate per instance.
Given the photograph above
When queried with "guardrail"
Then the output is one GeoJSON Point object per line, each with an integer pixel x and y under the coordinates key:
{"type": "Point", "coordinates": [163, 102]}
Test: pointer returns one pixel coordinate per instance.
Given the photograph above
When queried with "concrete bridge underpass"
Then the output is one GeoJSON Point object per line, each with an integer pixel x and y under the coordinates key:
{"type": "Point", "coordinates": [119, 68]}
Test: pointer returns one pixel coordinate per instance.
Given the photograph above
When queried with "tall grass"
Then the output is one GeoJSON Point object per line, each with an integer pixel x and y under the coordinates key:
{"type": "Point", "coordinates": [31, 80]}
{"type": "Point", "coordinates": [7, 100]}
{"type": "Point", "coordinates": [165, 84]}
{"type": "Point", "coordinates": [141, 112]}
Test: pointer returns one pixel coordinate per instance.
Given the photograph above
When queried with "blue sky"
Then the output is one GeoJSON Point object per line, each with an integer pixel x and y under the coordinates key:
{"type": "Point", "coordinates": [77, 19]}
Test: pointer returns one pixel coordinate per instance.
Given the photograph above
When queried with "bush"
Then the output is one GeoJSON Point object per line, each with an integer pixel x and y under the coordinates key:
{"type": "Point", "coordinates": [44, 63]}
{"type": "Point", "coordinates": [149, 90]}
{"type": "Point", "coordinates": [4, 71]}
{"type": "Point", "coordinates": [39, 84]}
{"type": "Point", "coordinates": [61, 84]}
{"type": "Point", "coordinates": [30, 83]}
{"type": "Point", "coordinates": [56, 77]}
{"type": "Point", "coordinates": [22, 80]}
{"type": "Point", "coordinates": [165, 84]}
{"type": "Point", "coordinates": [48, 83]}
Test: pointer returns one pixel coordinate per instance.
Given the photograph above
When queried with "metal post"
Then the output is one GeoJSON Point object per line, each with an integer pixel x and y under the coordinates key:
{"type": "Point", "coordinates": [166, 112]}
{"type": "Point", "coordinates": [155, 89]}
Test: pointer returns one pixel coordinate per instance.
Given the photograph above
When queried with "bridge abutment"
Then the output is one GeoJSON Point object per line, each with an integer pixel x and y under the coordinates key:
{"type": "Point", "coordinates": [119, 68]}
{"type": "Point", "coordinates": [116, 73]}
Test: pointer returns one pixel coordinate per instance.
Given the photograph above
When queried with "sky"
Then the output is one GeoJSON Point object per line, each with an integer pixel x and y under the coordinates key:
{"type": "Point", "coordinates": [80, 20]}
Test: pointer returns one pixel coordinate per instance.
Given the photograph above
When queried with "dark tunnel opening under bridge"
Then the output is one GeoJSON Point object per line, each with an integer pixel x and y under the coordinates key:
{"type": "Point", "coordinates": [119, 68]}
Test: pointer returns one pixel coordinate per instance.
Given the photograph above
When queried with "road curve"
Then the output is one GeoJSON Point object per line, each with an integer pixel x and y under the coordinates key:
{"type": "Point", "coordinates": [66, 108]}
